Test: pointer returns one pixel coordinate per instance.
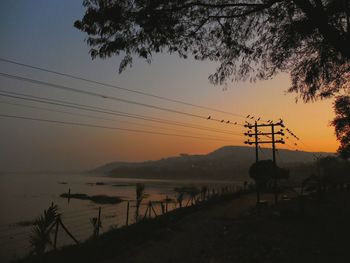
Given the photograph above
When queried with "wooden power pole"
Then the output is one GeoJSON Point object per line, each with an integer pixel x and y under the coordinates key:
{"type": "Point", "coordinates": [271, 135]}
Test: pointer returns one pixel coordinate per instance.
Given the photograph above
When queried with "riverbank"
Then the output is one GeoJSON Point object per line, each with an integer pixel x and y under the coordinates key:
{"type": "Point", "coordinates": [226, 230]}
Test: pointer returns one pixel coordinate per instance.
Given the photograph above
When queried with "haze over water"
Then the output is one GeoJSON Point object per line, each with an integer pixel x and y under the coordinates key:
{"type": "Point", "coordinates": [25, 196]}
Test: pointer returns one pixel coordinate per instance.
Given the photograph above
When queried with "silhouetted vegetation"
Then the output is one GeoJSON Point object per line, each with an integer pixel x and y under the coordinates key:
{"type": "Point", "coordinates": [180, 196]}
{"type": "Point", "coordinates": [272, 235]}
{"type": "Point", "coordinates": [96, 225]}
{"type": "Point", "coordinates": [256, 39]}
{"type": "Point", "coordinates": [40, 237]}
{"type": "Point", "coordinates": [249, 39]}
{"type": "Point", "coordinates": [332, 173]}
{"type": "Point", "coordinates": [341, 123]}
{"type": "Point", "coordinates": [262, 172]}
{"type": "Point", "coordinates": [140, 195]}
{"type": "Point", "coordinates": [119, 240]}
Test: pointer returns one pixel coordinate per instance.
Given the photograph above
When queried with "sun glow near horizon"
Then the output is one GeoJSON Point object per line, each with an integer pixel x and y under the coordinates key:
{"type": "Point", "coordinates": [31, 144]}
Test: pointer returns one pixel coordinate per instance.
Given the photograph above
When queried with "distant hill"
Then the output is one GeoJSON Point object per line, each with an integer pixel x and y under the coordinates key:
{"type": "Point", "coordinates": [229, 162]}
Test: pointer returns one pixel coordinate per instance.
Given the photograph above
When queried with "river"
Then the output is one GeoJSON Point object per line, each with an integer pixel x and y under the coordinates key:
{"type": "Point", "coordinates": [23, 197]}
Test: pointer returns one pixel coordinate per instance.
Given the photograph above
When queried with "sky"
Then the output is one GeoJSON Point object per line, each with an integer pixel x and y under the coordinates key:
{"type": "Point", "coordinates": [41, 33]}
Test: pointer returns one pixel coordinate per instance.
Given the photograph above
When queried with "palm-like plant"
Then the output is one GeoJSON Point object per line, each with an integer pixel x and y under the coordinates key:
{"type": "Point", "coordinates": [96, 225]}
{"type": "Point", "coordinates": [140, 195]}
{"type": "Point", "coordinates": [42, 229]}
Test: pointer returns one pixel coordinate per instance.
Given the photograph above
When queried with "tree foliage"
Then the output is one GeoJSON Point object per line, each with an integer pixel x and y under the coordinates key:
{"type": "Point", "coordinates": [250, 39]}
{"type": "Point", "coordinates": [262, 172]}
{"type": "Point", "coordinates": [341, 123]}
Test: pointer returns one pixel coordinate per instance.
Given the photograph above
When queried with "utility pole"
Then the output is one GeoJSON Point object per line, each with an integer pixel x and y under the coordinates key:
{"type": "Point", "coordinates": [273, 141]}
{"type": "Point", "coordinates": [274, 162]}
{"type": "Point", "coordinates": [256, 142]}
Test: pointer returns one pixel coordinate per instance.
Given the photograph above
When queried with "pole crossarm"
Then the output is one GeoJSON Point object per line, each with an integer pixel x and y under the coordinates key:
{"type": "Point", "coordinates": [263, 133]}
{"type": "Point", "coordinates": [264, 142]}
{"type": "Point", "coordinates": [251, 126]}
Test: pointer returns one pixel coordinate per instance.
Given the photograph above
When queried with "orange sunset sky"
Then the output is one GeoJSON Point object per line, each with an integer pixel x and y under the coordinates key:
{"type": "Point", "coordinates": [42, 34]}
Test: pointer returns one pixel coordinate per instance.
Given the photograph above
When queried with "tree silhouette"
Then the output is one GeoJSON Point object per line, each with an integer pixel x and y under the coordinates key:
{"type": "Point", "coordinates": [252, 39]}
{"type": "Point", "coordinates": [332, 172]}
{"type": "Point", "coordinates": [341, 123]}
{"type": "Point", "coordinates": [262, 173]}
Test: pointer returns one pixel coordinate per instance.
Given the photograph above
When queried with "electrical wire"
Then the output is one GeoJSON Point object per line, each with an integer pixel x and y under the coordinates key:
{"type": "Point", "coordinates": [107, 127]}
{"type": "Point", "coordinates": [62, 103]}
{"type": "Point", "coordinates": [117, 87]}
{"type": "Point", "coordinates": [90, 116]}
{"type": "Point", "coordinates": [104, 96]}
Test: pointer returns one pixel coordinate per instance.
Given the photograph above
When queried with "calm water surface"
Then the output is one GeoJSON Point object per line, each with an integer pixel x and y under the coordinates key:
{"type": "Point", "coordinates": [24, 196]}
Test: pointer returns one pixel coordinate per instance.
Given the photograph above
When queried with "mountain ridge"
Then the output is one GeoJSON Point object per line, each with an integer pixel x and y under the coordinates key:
{"type": "Point", "coordinates": [220, 163]}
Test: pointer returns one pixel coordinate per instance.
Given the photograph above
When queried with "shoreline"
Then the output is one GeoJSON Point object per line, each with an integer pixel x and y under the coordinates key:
{"type": "Point", "coordinates": [225, 230]}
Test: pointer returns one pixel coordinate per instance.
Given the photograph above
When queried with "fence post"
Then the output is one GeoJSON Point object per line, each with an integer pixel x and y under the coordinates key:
{"type": "Point", "coordinates": [144, 217]}
{"type": "Point", "coordinates": [67, 231]}
{"type": "Point", "coordinates": [154, 211]}
{"type": "Point", "coordinates": [99, 220]}
{"type": "Point", "coordinates": [68, 195]}
{"type": "Point", "coordinates": [127, 214]}
{"type": "Point", "coordinates": [166, 204]}
{"type": "Point", "coordinates": [56, 234]}
{"type": "Point", "coordinates": [149, 211]}
{"type": "Point", "coordinates": [162, 207]}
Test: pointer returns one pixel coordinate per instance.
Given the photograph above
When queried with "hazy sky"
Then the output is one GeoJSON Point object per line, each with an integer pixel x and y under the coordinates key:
{"type": "Point", "coordinates": [41, 33]}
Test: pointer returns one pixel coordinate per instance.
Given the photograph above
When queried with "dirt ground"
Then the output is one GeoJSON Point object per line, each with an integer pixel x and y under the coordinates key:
{"type": "Point", "coordinates": [228, 231]}
{"type": "Point", "coordinates": [193, 238]}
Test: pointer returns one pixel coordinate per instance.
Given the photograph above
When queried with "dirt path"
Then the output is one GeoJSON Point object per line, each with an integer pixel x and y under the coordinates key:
{"type": "Point", "coordinates": [227, 233]}
{"type": "Point", "coordinates": [192, 238]}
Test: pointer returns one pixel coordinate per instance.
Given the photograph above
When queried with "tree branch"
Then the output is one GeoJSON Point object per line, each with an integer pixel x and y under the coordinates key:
{"type": "Point", "coordinates": [330, 33]}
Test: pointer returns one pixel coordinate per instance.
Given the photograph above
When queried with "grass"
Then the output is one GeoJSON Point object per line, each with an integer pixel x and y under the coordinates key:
{"type": "Point", "coordinates": [98, 199]}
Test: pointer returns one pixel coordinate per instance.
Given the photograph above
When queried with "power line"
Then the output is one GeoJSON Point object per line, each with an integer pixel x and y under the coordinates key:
{"type": "Point", "coordinates": [88, 116]}
{"type": "Point", "coordinates": [117, 87]}
{"type": "Point", "coordinates": [100, 95]}
{"type": "Point", "coordinates": [62, 103]}
{"type": "Point", "coordinates": [108, 127]}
